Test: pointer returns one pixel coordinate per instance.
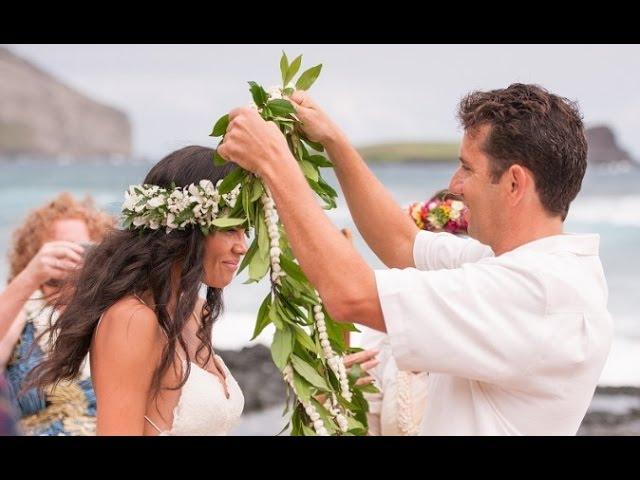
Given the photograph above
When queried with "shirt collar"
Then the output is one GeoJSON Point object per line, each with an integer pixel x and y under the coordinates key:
{"type": "Point", "coordinates": [579, 244]}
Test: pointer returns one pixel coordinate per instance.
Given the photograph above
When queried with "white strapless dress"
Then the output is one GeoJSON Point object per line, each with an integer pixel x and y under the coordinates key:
{"type": "Point", "coordinates": [203, 408]}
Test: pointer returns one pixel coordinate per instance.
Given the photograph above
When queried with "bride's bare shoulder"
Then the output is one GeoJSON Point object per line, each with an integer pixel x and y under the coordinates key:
{"type": "Point", "coordinates": [127, 323]}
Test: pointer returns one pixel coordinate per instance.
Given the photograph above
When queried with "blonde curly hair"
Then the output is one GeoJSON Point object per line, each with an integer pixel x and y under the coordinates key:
{"type": "Point", "coordinates": [31, 235]}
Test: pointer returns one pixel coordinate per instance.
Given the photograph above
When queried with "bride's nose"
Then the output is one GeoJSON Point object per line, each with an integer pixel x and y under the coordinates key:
{"type": "Point", "coordinates": [240, 247]}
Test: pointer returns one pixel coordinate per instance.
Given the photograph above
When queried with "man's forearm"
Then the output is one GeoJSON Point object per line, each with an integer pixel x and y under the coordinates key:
{"type": "Point", "coordinates": [387, 229]}
{"type": "Point", "coordinates": [343, 279]}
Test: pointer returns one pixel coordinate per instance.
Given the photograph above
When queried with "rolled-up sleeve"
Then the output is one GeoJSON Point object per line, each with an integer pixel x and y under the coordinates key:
{"type": "Point", "coordinates": [433, 251]}
{"type": "Point", "coordinates": [480, 321]}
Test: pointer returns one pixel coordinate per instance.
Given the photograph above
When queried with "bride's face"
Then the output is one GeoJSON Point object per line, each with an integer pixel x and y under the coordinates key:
{"type": "Point", "coordinates": [223, 251]}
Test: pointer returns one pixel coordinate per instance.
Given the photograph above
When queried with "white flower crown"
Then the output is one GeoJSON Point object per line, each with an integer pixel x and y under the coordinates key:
{"type": "Point", "coordinates": [177, 208]}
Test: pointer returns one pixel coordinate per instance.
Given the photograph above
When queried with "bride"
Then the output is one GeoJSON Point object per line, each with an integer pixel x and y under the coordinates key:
{"type": "Point", "coordinates": [137, 311]}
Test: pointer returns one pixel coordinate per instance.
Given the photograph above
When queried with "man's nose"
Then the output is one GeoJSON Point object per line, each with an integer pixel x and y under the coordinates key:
{"type": "Point", "coordinates": [455, 185]}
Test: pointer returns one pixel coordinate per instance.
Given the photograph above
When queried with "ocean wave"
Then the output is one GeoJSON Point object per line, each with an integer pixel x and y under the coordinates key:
{"type": "Point", "coordinates": [620, 211]}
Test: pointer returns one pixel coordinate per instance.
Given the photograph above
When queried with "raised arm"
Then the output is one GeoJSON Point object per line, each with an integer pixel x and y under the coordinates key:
{"type": "Point", "coordinates": [390, 232]}
{"type": "Point", "coordinates": [53, 261]}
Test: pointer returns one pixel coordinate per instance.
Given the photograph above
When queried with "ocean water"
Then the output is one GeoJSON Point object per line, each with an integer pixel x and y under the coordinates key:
{"type": "Point", "coordinates": [609, 204]}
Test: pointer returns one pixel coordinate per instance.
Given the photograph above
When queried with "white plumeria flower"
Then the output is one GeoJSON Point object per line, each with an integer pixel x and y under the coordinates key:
{"type": "Point", "coordinates": [457, 205]}
{"type": "Point", "coordinates": [171, 221]}
{"type": "Point", "coordinates": [156, 202]}
{"type": "Point", "coordinates": [139, 221]}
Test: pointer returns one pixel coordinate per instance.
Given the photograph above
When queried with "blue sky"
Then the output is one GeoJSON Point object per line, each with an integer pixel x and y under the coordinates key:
{"type": "Point", "coordinates": [377, 93]}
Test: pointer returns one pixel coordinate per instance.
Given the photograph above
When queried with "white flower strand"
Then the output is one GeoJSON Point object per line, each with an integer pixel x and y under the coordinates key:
{"type": "Point", "coordinates": [331, 404]}
{"type": "Point", "coordinates": [271, 220]}
{"type": "Point", "coordinates": [335, 362]}
{"type": "Point", "coordinates": [405, 421]}
{"type": "Point", "coordinates": [318, 424]}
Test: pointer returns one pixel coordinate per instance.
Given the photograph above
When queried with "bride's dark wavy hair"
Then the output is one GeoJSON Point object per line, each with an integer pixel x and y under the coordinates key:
{"type": "Point", "coordinates": [130, 262]}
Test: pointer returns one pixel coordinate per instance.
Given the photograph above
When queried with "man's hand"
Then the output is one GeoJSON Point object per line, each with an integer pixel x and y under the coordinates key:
{"type": "Point", "coordinates": [254, 144]}
{"type": "Point", "coordinates": [316, 124]}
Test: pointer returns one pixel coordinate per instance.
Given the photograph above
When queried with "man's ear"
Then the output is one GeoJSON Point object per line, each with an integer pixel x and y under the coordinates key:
{"type": "Point", "coordinates": [519, 182]}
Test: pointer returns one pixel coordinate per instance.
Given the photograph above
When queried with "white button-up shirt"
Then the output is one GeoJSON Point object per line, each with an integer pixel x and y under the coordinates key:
{"type": "Point", "coordinates": [514, 344]}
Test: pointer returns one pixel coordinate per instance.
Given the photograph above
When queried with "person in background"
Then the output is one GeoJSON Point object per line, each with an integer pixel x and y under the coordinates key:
{"type": "Point", "coordinates": [47, 249]}
{"type": "Point", "coordinates": [8, 426]}
{"type": "Point", "coordinates": [399, 406]}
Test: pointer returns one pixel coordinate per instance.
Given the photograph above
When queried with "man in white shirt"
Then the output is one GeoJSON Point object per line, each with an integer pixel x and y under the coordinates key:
{"type": "Point", "coordinates": [512, 325]}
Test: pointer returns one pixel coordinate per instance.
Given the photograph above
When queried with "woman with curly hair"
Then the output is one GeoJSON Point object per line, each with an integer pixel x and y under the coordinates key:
{"type": "Point", "coordinates": [47, 248]}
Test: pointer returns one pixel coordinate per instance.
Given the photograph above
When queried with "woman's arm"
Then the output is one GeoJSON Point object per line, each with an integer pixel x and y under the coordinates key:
{"type": "Point", "coordinates": [53, 261]}
{"type": "Point", "coordinates": [125, 354]}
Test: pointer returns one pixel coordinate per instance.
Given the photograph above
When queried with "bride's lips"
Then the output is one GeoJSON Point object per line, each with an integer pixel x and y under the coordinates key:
{"type": "Point", "coordinates": [231, 265]}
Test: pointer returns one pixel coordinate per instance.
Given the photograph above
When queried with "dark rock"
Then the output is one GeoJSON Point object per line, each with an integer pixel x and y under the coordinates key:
{"type": "Point", "coordinates": [260, 380]}
{"type": "Point", "coordinates": [604, 149]}
{"type": "Point", "coordinates": [613, 411]}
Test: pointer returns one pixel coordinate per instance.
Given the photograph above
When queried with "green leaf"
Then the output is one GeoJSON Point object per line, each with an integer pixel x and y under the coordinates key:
{"type": "Point", "coordinates": [257, 191]}
{"type": "Point", "coordinates": [355, 372]}
{"type": "Point", "coordinates": [353, 424]}
{"type": "Point", "coordinates": [315, 145]}
{"type": "Point", "coordinates": [308, 432]}
{"type": "Point", "coordinates": [258, 267]}
{"type": "Point", "coordinates": [263, 316]}
{"type": "Point", "coordinates": [296, 424]}
{"type": "Point", "coordinates": [327, 188]}
{"type": "Point", "coordinates": [258, 93]}
{"type": "Point", "coordinates": [303, 389]}
{"type": "Point", "coordinates": [231, 180]}
{"type": "Point", "coordinates": [308, 77]}
{"type": "Point", "coordinates": [263, 237]}
{"type": "Point", "coordinates": [273, 316]}
{"type": "Point", "coordinates": [350, 327]}
{"type": "Point", "coordinates": [220, 128]}
{"type": "Point", "coordinates": [284, 313]}
{"type": "Point", "coordinates": [284, 67]}
{"type": "Point", "coordinates": [291, 268]}
{"type": "Point", "coordinates": [217, 159]}
{"type": "Point", "coordinates": [303, 338]}
{"type": "Point", "coordinates": [316, 187]}
{"type": "Point", "coordinates": [309, 373]}
{"type": "Point", "coordinates": [246, 204]}
{"type": "Point", "coordinates": [228, 222]}
{"type": "Point", "coordinates": [288, 91]}
{"type": "Point", "coordinates": [293, 69]}
{"type": "Point", "coordinates": [280, 107]}
{"type": "Point", "coordinates": [369, 388]}
{"type": "Point", "coordinates": [248, 256]}
{"type": "Point", "coordinates": [282, 347]}
{"type": "Point", "coordinates": [260, 263]}
{"type": "Point", "coordinates": [335, 333]}
{"type": "Point", "coordinates": [325, 416]}
{"type": "Point", "coordinates": [309, 170]}
{"type": "Point", "coordinates": [319, 160]}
